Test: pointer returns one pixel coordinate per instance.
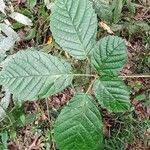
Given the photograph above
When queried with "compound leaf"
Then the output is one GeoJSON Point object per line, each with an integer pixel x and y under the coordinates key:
{"type": "Point", "coordinates": [79, 125]}
{"type": "Point", "coordinates": [33, 74]}
{"type": "Point", "coordinates": [74, 26]}
{"type": "Point", "coordinates": [109, 55]}
{"type": "Point", "coordinates": [112, 94]}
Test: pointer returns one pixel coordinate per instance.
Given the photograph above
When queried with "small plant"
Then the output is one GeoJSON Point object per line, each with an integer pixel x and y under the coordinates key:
{"type": "Point", "coordinates": [32, 75]}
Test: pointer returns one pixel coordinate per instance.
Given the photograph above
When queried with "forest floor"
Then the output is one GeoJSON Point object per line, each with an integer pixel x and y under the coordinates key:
{"type": "Point", "coordinates": [30, 126]}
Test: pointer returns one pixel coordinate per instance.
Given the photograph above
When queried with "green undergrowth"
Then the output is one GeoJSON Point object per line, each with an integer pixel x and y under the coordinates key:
{"type": "Point", "coordinates": [123, 130]}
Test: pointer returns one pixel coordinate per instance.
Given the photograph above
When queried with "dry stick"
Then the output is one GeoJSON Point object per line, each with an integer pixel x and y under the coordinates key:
{"type": "Point", "coordinates": [33, 143]}
{"type": "Point", "coordinates": [95, 77]}
{"type": "Point", "coordinates": [48, 113]}
{"type": "Point", "coordinates": [90, 86]}
{"type": "Point", "coordinates": [49, 118]}
{"type": "Point", "coordinates": [136, 76]}
{"type": "Point", "coordinates": [128, 76]}
{"type": "Point", "coordinates": [38, 108]}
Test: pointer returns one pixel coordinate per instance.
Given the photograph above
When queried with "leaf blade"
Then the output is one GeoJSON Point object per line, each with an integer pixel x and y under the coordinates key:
{"type": "Point", "coordinates": [74, 26]}
{"type": "Point", "coordinates": [109, 55]}
{"type": "Point", "coordinates": [112, 94]}
{"type": "Point", "coordinates": [81, 122]}
{"type": "Point", "coordinates": [32, 75]}
{"type": "Point", "coordinates": [103, 9]}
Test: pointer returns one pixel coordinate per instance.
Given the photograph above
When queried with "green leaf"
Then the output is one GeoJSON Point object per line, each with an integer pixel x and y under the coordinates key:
{"type": "Point", "coordinates": [141, 97]}
{"type": "Point", "coordinates": [117, 6]}
{"type": "Point", "coordinates": [112, 94]}
{"type": "Point", "coordinates": [131, 6]}
{"type": "Point", "coordinates": [74, 26]}
{"type": "Point", "coordinates": [79, 125]}
{"type": "Point", "coordinates": [31, 3]}
{"type": "Point", "coordinates": [31, 35]}
{"type": "Point", "coordinates": [4, 138]}
{"type": "Point", "coordinates": [32, 75]}
{"type": "Point", "coordinates": [21, 18]}
{"type": "Point", "coordinates": [103, 9]}
{"type": "Point", "coordinates": [109, 55]}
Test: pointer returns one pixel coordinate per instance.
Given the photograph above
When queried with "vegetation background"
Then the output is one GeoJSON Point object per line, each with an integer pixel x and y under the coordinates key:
{"type": "Point", "coordinates": [29, 126]}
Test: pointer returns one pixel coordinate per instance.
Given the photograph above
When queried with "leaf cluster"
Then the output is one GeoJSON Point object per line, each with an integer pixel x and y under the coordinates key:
{"type": "Point", "coordinates": [32, 75]}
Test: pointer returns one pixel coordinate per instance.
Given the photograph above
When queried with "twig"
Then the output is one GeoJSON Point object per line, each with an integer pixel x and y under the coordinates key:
{"type": "Point", "coordinates": [128, 76]}
{"type": "Point", "coordinates": [136, 76]}
{"type": "Point", "coordinates": [90, 86]}
{"type": "Point", "coordinates": [33, 143]}
{"type": "Point", "coordinates": [49, 116]}
{"type": "Point", "coordinates": [48, 113]}
{"type": "Point", "coordinates": [38, 108]}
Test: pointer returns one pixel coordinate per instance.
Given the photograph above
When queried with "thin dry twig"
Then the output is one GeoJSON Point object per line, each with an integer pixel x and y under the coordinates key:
{"type": "Point", "coordinates": [33, 143]}
{"type": "Point", "coordinates": [90, 86]}
{"type": "Point", "coordinates": [136, 76]}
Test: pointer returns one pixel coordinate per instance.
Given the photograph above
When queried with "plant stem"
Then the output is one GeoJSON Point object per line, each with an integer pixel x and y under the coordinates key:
{"type": "Point", "coordinates": [130, 76]}
{"type": "Point", "coordinates": [136, 76]}
{"type": "Point", "coordinates": [90, 86]}
{"type": "Point", "coordinates": [49, 118]}
{"type": "Point", "coordinates": [85, 75]}
{"type": "Point", "coordinates": [48, 113]}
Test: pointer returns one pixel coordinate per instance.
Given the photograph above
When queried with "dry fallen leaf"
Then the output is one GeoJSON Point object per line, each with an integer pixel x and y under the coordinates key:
{"type": "Point", "coordinates": [21, 18]}
{"type": "Point", "coordinates": [50, 40]}
{"type": "Point", "coordinates": [2, 6]}
{"type": "Point", "coordinates": [106, 27]}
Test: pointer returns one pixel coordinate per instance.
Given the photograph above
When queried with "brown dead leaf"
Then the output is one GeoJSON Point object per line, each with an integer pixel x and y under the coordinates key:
{"type": "Point", "coordinates": [106, 27]}
{"type": "Point", "coordinates": [50, 40]}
